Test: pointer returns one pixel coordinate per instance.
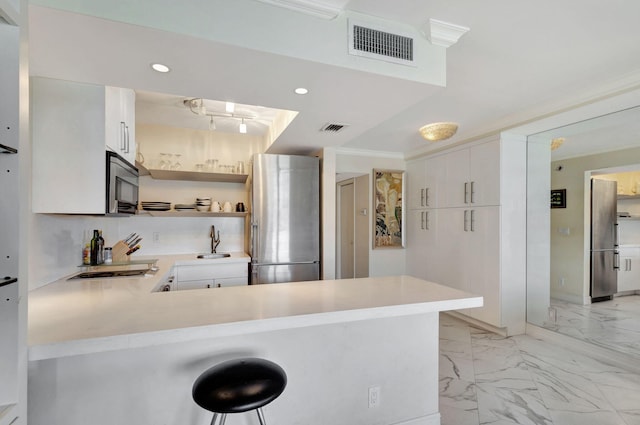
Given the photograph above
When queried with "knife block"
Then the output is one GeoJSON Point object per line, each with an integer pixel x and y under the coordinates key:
{"type": "Point", "coordinates": [120, 250]}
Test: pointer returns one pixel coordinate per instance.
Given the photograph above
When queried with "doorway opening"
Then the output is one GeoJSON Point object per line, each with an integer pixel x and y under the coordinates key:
{"type": "Point", "coordinates": [352, 227]}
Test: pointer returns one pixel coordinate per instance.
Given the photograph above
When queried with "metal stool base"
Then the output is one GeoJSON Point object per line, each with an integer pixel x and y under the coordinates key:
{"type": "Point", "coordinates": [223, 417]}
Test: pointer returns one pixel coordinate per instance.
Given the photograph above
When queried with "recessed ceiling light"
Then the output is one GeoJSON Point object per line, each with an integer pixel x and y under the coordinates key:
{"type": "Point", "coordinates": [160, 67]}
{"type": "Point", "coordinates": [301, 90]}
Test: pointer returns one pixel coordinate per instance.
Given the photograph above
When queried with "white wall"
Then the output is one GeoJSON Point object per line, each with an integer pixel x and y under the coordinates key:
{"type": "Point", "coordinates": [382, 262]}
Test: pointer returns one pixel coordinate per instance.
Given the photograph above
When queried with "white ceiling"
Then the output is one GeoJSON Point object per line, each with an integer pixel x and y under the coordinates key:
{"type": "Point", "coordinates": [519, 61]}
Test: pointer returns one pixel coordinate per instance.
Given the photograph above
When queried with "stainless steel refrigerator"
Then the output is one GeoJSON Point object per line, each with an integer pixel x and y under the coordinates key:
{"type": "Point", "coordinates": [285, 219]}
{"type": "Point", "coordinates": [605, 260]}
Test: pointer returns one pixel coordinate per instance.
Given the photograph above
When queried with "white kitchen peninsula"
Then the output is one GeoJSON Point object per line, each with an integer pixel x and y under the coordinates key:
{"type": "Point", "coordinates": [112, 351]}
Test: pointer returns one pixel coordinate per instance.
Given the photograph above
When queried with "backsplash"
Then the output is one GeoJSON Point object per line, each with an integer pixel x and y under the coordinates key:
{"type": "Point", "coordinates": [57, 240]}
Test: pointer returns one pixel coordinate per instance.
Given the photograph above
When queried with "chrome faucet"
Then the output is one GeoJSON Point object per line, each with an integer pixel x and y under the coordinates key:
{"type": "Point", "coordinates": [215, 239]}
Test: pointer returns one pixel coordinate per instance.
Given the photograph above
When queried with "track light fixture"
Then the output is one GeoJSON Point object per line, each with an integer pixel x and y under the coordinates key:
{"type": "Point", "coordinates": [197, 106]}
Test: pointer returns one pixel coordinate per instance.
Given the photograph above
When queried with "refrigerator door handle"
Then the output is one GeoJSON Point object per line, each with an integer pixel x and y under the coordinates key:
{"type": "Point", "coordinates": [616, 234]}
{"type": "Point", "coordinates": [616, 260]}
{"type": "Point", "coordinates": [254, 241]}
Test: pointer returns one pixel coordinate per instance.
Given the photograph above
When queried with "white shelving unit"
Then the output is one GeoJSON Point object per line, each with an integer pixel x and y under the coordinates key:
{"type": "Point", "coordinates": [196, 176]}
{"type": "Point", "coordinates": [191, 214]}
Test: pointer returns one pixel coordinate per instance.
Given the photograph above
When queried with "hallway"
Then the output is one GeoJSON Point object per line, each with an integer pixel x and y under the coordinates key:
{"type": "Point", "coordinates": [489, 379]}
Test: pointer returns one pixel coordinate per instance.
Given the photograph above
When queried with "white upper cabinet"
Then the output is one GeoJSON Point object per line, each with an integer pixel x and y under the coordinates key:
{"type": "Point", "coordinates": [120, 117]}
{"type": "Point", "coordinates": [73, 124]}
{"type": "Point", "coordinates": [471, 176]}
{"type": "Point", "coordinates": [423, 180]}
{"type": "Point", "coordinates": [416, 178]}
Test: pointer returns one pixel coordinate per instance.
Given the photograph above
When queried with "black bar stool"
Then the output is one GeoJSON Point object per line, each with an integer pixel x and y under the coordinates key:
{"type": "Point", "coordinates": [237, 386]}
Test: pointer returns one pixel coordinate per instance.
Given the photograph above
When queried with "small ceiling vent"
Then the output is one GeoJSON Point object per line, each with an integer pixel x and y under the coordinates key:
{"type": "Point", "coordinates": [379, 43]}
{"type": "Point", "coordinates": [333, 127]}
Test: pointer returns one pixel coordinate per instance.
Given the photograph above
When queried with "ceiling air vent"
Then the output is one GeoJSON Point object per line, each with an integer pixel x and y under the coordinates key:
{"type": "Point", "coordinates": [381, 44]}
{"type": "Point", "coordinates": [332, 127]}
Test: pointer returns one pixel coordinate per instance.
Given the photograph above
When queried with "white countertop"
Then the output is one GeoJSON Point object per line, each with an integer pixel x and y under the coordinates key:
{"type": "Point", "coordinates": [86, 316]}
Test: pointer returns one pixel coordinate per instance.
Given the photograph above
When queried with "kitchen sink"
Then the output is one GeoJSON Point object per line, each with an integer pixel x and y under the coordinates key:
{"type": "Point", "coordinates": [109, 273]}
{"type": "Point", "coordinates": [214, 256]}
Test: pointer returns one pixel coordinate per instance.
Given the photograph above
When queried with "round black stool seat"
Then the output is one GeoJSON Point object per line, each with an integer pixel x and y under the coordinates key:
{"type": "Point", "coordinates": [239, 385]}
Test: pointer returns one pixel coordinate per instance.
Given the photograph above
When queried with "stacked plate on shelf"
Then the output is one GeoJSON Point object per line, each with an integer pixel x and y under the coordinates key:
{"type": "Point", "coordinates": [184, 207]}
{"type": "Point", "coordinates": [203, 204]}
{"type": "Point", "coordinates": [156, 206]}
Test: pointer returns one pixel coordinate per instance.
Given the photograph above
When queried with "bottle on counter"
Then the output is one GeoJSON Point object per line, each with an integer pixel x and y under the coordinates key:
{"type": "Point", "coordinates": [94, 248]}
{"type": "Point", "coordinates": [100, 247]}
{"type": "Point", "coordinates": [86, 254]}
{"type": "Point", "coordinates": [108, 255]}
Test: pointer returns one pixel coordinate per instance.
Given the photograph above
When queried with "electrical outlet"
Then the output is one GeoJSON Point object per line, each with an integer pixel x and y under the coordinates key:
{"type": "Point", "coordinates": [156, 237]}
{"type": "Point", "coordinates": [374, 397]}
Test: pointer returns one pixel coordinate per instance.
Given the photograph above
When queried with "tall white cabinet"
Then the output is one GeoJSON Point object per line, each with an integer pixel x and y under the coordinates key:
{"type": "Point", "coordinates": [12, 287]}
{"type": "Point", "coordinates": [471, 235]}
{"type": "Point", "coordinates": [75, 123]}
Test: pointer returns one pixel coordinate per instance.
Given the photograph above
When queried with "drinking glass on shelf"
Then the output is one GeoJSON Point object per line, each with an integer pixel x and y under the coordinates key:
{"type": "Point", "coordinates": [240, 167]}
{"type": "Point", "coordinates": [176, 165]}
{"type": "Point", "coordinates": [164, 161]}
{"type": "Point", "coordinates": [212, 165]}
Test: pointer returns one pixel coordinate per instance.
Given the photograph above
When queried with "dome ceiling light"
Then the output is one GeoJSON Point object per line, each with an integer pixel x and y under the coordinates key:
{"type": "Point", "coordinates": [438, 131]}
{"type": "Point", "coordinates": [556, 143]}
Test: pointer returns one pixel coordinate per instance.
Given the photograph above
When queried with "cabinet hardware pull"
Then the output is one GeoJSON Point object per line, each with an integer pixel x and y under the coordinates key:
{"type": "Point", "coordinates": [466, 192]}
{"type": "Point", "coordinates": [426, 220]}
{"type": "Point", "coordinates": [466, 212]}
{"type": "Point", "coordinates": [122, 136]}
{"type": "Point", "coordinates": [126, 140]}
{"type": "Point", "coordinates": [422, 197]}
{"type": "Point", "coordinates": [472, 192]}
{"type": "Point", "coordinates": [426, 197]}
{"type": "Point", "coordinates": [473, 219]}
{"type": "Point", "coordinates": [421, 220]}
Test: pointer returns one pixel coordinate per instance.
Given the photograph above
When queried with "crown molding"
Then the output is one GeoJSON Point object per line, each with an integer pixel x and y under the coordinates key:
{"type": "Point", "coordinates": [310, 7]}
{"type": "Point", "coordinates": [444, 34]}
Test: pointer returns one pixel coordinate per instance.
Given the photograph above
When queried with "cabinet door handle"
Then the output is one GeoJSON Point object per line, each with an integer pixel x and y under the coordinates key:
{"type": "Point", "coordinates": [126, 143]}
{"type": "Point", "coordinates": [473, 220]}
{"type": "Point", "coordinates": [426, 196]}
{"type": "Point", "coordinates": [466, 192]}
{"type": "Point", "coordinates": [472, 192]}
{"type": "Point", "coordinates": [466, 212]}
{"type": "Point", "coordinates": [122, 135]}
{"type": "Point", "coordinates": [426, 220]}
{"type": "Point", "coordinates": [422, 197]}
{"type": "Point", "coordinates": [421, 220]}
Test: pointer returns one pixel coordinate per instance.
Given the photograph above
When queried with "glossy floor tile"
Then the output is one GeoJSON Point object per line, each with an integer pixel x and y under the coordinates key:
{"type": "Point", "coordinates": [611, 324]}
{"type": "Point", "coordinates": [489, 379]}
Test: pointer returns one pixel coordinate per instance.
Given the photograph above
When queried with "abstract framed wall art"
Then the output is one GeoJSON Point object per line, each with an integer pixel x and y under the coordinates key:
{"type": "Point", "coordinates": [388, 203]}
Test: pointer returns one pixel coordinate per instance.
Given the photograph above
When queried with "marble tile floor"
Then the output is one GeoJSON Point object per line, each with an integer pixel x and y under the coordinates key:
{"type": "Point", "coordinates": [613, 324]}
{"type": "Point", "coordinates": [489, 379]}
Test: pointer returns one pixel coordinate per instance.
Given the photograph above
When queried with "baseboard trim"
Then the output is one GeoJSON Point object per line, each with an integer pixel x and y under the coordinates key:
{"type": "Point", "coordinates": [433, 419]}
{"type": "Point", "coordinates": [614, 358]}
{"type": "Point", "coordinates": [478, 323]}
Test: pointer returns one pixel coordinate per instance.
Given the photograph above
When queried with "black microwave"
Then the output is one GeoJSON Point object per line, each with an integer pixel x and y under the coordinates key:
{"type": "Point", "coordinates": [122, 186]}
